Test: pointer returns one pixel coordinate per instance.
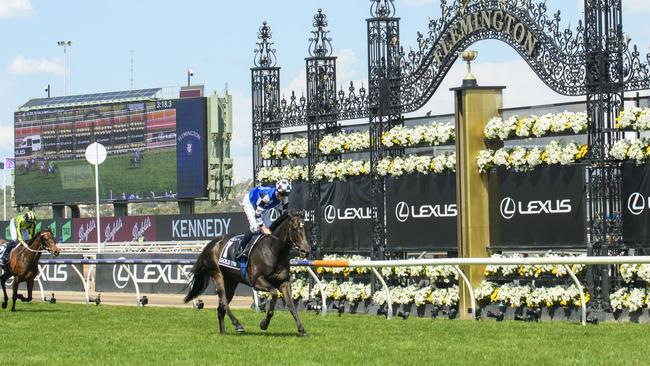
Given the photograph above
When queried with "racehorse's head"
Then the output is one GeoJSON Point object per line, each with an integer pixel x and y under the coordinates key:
{"type": "Point", "coordinates": [48, 243]}
{"type": "Point", "coordinates": [297, 233]}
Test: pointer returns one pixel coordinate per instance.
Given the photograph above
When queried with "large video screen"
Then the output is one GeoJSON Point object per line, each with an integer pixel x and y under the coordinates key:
{"type": "Point", "coordinates": [140, 139]}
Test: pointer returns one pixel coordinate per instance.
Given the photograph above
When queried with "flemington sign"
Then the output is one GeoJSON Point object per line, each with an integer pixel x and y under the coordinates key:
{"type": "Point", "coordinates": [485, 20]}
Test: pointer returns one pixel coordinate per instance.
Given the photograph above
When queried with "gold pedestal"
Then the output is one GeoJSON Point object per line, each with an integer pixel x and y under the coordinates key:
{"type": "Point", "coordinates": [475, 106]}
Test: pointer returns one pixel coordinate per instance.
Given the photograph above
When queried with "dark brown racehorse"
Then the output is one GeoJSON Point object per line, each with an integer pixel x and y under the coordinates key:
{"type": "Point", "coordinates": [23, 265]}
{"type": "Point", "coordinates": [268, 269]}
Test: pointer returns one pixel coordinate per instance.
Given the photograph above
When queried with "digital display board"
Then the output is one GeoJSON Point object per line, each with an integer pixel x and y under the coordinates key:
{"type": "Point", "coordinates": [141, 140]}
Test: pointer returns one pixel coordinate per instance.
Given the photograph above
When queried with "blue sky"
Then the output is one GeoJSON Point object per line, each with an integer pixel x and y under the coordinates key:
{"type": "Point", "coordinates": [216, 39]}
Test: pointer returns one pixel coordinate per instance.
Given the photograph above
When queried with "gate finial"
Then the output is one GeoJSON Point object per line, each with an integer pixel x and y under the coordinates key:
{"type": "Point", "coordinates": [320, 44]}
{"type": "Point", "coordinates": [382, 8]}
{"type": "Point", "coordinates": [265, 53]}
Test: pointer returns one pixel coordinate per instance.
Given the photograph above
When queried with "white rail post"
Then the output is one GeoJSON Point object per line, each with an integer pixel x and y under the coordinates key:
{"type": "Point", "coordinates": [583, 303]}
{"type": "Point", "coordinates": [469, 288]}
{"type": "Point", "coordinates": [135, 284]}
{"type": "Point", "coordinates": [322, 291]}
{"type": "Point", "coordinates": [389, 301]}
{"type": "Point", "coordinates": [83, 281]}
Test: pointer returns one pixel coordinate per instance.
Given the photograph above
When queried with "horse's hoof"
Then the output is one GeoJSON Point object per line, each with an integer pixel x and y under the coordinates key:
{"type": "Point", "coordinates": [304, 334]}
{"type": "Point", "coordinates": [264, 325]}
{"type": "Point", "coordinates": [4, 305]}
{"type": "Point", "coordinates": [239, 329]}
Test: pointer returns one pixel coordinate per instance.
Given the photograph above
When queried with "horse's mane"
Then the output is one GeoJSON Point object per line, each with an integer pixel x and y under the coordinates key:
{"type": "Point", "coordinates": [46, 230]}
{"type": "Point", "coordinates": [287, 214]}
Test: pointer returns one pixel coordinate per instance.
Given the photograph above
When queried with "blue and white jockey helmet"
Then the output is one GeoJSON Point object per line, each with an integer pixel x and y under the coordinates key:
{"type": "Point", "coordinates": [283, 187]}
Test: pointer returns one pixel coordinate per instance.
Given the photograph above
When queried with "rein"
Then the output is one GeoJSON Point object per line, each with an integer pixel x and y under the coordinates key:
{"type": "Point", "coordinates": [26, 246]}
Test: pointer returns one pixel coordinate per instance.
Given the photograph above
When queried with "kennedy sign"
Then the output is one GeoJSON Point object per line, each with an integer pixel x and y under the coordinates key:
{"type": "Point", "coordinates": [542, 209]}
{"type": "Point", "coordinates": [421, 212]}
{"type": "Point", "coordinates": [200, 227]}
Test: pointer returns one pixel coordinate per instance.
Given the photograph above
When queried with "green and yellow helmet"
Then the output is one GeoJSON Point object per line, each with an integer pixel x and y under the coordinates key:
{"type": "Point", "coordinates": [29, 216]}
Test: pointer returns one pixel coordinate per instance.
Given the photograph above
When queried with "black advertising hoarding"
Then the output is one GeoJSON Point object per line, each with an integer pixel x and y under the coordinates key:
{"type": "Point", "coordinates": [543, 208]}
{"type": "Point", "coordinates": [636, 204]}
{"type": "Point", "coordinates": [200, 227]}
{"type": "Point", "coordinates": [299, 197]}
{"type": "Point", "coordinates": [421, 212]}
{"type": "Point", "coordinates": [60, 277]}
{"type": "Point", "coordinates": [151, 278]}
{"type": "Point", "coordinates": [191, 149]}
{"type": "Point", "coordinates": [55, 277]}
{"type": "Point", "coordinates": [345, 210]}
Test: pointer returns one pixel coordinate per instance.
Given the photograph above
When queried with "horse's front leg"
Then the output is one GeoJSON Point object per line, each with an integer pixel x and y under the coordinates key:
{"type": "Point", "coordinates": [30, 288]}
{"type": "Point", "coordinates": [285, 288]}
{"type": "Point", "coordinates": [14, 296]}
{"type": "Point", "coordinates": [263, 284]}
{"type": "Point", "coordinates": [3, 279]}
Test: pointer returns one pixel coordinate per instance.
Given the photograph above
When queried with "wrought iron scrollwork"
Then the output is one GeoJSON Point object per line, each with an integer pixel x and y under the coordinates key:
{"type": "Point", "coordinates": [265, 53]}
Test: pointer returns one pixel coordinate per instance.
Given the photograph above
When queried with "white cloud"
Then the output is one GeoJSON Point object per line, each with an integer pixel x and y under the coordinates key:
{"type": "Point", "coordinates": [15, 8]}
{"type": "Point", "coordinates": [25, 66]}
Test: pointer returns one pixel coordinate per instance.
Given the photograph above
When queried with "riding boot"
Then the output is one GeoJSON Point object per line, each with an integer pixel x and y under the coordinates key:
{"type": "Point", "coordinates": [243, 246]}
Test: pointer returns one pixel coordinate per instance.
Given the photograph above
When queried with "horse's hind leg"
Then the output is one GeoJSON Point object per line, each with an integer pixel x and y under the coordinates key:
{"type": "Point", "coordinates": [285, 288]}
{"type": "Point", "coordinates": [221, 308]}
{"type": "Point", "coordinates": [230, 293]}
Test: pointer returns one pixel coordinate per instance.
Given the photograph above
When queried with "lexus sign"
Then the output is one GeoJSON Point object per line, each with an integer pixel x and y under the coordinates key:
{"type": "Point", "coordinates": [509, 207]}
{"type": "Point", "coordinates": [404, 211]}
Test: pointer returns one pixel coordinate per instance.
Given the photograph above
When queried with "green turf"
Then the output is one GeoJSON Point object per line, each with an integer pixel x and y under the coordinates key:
{"type": "Point", "coordinates": [157, 173]}
{"type": "Point", "coordinates": [64, 334]}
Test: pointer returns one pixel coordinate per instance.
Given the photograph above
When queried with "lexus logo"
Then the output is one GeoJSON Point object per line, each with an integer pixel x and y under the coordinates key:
{"type": "Point", "coordinates": [508, 208]}
{"type": "Point", "coordinates": [402, 212]}
{"type": "Point", "coordinates": [636, 203]}
{"type": "Point", "coordinates": [330, 214]}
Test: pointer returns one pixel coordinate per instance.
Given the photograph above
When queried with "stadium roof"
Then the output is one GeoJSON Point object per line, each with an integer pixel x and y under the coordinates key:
{"type": "Point", "coordinates": [91, 99]}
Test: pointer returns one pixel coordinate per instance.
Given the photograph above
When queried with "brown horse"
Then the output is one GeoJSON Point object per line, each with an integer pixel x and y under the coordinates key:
{"type": "Point", "coordinates": [23, 265]}
{"type": "Point", "coordinates": [268, 269]}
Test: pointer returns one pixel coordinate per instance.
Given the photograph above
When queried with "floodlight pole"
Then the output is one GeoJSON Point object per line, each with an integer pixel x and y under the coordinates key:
{"type": "Point", "coordinates": [65, 45]}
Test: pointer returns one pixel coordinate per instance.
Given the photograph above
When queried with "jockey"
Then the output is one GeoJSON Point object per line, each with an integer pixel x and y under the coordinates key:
{"type": "Point", "coordinates": [257, 205]}
{"type": "Point", "coordinates": [22, 228]}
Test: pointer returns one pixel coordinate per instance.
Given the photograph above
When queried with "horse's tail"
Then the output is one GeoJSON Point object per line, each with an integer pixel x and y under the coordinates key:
{"type": "Point", "coordinates": [203, 270]}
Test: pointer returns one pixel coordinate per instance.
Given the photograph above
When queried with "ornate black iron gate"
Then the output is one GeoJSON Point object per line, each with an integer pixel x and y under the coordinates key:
{"type": "Point", "coordinates": [594, 60]}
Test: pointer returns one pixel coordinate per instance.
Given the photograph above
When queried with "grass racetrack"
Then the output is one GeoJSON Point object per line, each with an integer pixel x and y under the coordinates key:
{"type": "Point", "coordinates": [65, 334]}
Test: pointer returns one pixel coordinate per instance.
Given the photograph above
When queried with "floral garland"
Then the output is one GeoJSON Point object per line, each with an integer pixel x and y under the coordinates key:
{"type": "Point", "coordinates": [349, 291]}
{"type": "Point", "coordinates": [418, 296]}
{"type": "Point", "coordinates": [344, 142]}
{"type": "Point", "coordinates": [536, 270]}
{"type": "Point", "coordinates": [635, 272]}
{"type": "Point", "coordinates": [521, 159]}
{"type": "Point", "coordinates": [515, 295]}
{"type": "Point", "coordinates": [633, 299]}
{"type": "Point", "coordinates": [536, 126]}
{"type": "Point", "coordinates": [417, 164]}
{"type": "Point", "coordinates": [433, 134]}
{"type": "Point", "coordinates": [285, 149]}
{"type": "Point", "coordinates": [340, 170]}
{"type": "Point", "coordinates": [273, 174]}
{"type": "Point", "coordinates": [445, 274]}
{"type": "Point", "coordinates": [634, 118]}
{"type": "Point", "coordinates": [638, 150]}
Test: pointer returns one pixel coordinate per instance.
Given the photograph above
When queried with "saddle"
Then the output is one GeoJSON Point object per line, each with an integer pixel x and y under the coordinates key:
{"type": "Point", "coordinates": [5, 252]}
{"type": "Point", "coordinates": [235, 245]}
